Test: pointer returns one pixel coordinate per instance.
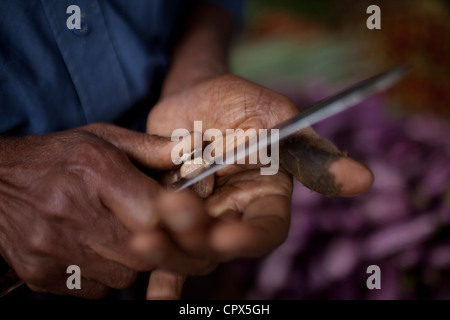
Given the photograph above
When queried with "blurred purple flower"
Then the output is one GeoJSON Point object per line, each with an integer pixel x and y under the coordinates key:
{"type": "Point", "coordinates": [439, 256]}
{"type": "Point", "coordinates": [382, 208]}
{"type": "Point", "coordinates": [390, 281]}
{"type": "Point", "coordinates": [428, 130]}
{"type": "Point", "coordinates": [335, 263]}
{"type": "Point", "coordinates": [388, 178]}
{"type": "Point", "coordinates": [274, 272]}
{"type": "Point", "coordinates": [436, 177]}
{"type": "Point", "coordinates": [303, 198]}
{"type": "Point", "coordinates": [408, 258]}
{"type": "Point", "coordinates": [399, 237]}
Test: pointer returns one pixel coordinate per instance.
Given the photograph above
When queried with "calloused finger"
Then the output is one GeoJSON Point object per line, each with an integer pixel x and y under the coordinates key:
{"type": "Point", "coordinates": [322, 167]}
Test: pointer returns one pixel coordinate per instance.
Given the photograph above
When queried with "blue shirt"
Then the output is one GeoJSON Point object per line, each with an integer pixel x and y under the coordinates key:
{"type": "Point", "coordinates": [111, 70]}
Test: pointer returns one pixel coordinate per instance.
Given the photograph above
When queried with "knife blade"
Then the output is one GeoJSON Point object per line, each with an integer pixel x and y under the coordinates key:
{"type": "Point", "coordinates": [318, 112]}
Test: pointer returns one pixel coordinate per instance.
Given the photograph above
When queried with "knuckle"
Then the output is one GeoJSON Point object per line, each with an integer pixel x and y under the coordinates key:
{"type": "Point", "coordinates": [93, 158]}
{"type": "Point", "coordinates": [99, 129]}
{"type": "Point", "coordinates": [117, 234]}
{"type": "Point", "coordinates": [39, 241]}
{"type": "Point", "coordinates": [57, 203]}
{"type": "Point", "coordinates": [229, 77]}
{"type": "Point", "coordinates": [281, 107]}
{"type": "Point", "coordinates": [87, 149]}
{"type": "Point", "coordinates": [93, 127]}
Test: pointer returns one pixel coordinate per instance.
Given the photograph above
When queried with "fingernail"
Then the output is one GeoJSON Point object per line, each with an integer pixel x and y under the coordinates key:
{"type": "Point", "coordinates": [191, 169]}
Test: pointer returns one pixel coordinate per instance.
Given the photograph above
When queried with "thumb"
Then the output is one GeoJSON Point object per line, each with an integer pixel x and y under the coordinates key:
{"type": "Point", "coordinates": [321, 167]}
{"type": "Point", "coordinates": [151, 151]}
{"type": "Point", "coordinates": [164, 285]}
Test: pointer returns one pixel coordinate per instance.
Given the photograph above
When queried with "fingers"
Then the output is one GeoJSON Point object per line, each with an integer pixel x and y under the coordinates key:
{"type": "Point", "coordinates": [254, 213]}
{"type": "Point", "coordinates": [182, 216]}
{"type": "Point", "coordinates": [205, 187]}
{"type": "Point", "coordinates": [164, 285]}
{"type": "Point", "coordinates": [320, 166]}
{"type": "Point", "coordinates": [128, 192]}
{"type": "Point", "coordinates": [112, 263]}
{"type": "Point", "coordinates": [264, 226]}
{"type": "Point", "coordinates": [236, 191]}
{"type": "Point", "coordinates": [54, 280]}
{"type": "Point", "coordinates": [89, 289]}
{"type": "Point", "coordinates": [112, 275]}
{"type": "Point", "coordinates": [148, 150]}
{"type": "Point", "coordinates": [142, 205]}
{"type": "Point", "coordinates": [186, 220]}
{"type": "Point", "coordinates": [44, 271]}
{"type": "Point", "coordinates": [131, 196]}
{"type": "Point", "coordinates": [158, 249]}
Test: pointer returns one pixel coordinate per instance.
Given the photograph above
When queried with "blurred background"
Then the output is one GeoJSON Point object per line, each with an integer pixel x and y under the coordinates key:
{"type": "Point", "coordinates": [309, 50]}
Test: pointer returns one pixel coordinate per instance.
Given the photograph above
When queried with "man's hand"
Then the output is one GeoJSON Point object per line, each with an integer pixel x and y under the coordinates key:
{"type": "Point", "coordinates": [230, 102]}
{"type": "Point", "coordinates": [71, 197]}
{"type": "Point", "coordinates": [253, 211]}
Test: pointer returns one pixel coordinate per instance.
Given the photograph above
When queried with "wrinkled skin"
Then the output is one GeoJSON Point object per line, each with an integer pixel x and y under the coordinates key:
{"type": "Point", "coordinates": [69, 198]}
{"type": "Point", "coordinates": [254, 210]}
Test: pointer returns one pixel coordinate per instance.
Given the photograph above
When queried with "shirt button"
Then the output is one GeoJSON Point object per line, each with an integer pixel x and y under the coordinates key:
{"type": "Point", "coordinates": [84, 28]}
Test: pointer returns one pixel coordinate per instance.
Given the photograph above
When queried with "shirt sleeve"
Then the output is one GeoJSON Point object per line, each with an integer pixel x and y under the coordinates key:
{"type": "Point", "coordinates": [54, 78]}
